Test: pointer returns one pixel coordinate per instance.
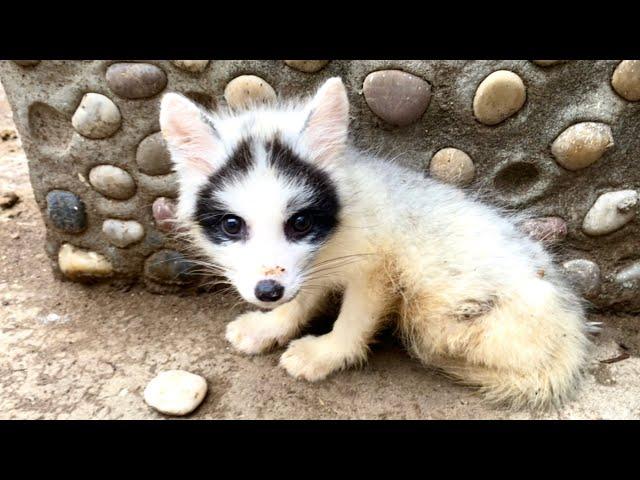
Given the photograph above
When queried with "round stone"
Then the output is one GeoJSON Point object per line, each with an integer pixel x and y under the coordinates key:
{"type": "Point", "coordinates": [194, 66]}
{"type": "Point", "coordinates": [122, 233]}
{"type": "Point", "coordinates": [79, 264]}
{"type": "Point", "coordinates": [610, 212]}
{"type": "Point", "coordinates": [582, 144]}
{"type": "Point", "coordinates": [175, 392]}
{"type": "Point", "coordinates": [66, 211]}
{"type": "Point", "coordinates": [96, 117]}
{"type": "Point", "coordinates": [152, 155]}
{"type": "Point", "coordinates": [159, 185]}
{"type": "Point", "coordinates": [548, 230]}
{"type": "Point", "coordinates": [498, 97]}
{"type": "Point", "coordinates": [245, 90]}
{"type": "Point", "coordinates": [583, 275]}
{"type": "Point", "coordinates": [135, 80]}
{"type": "Point", "coordinates": [397, 97]}
{"type": "Point", "coordinates": [451, 165]}
{"type": "Point", "coordinates": [168, 267]}
{"type": "Point", "coordinates": [112, 182]}
{"type": "Point", "coordinates": [629, 276]}
{"type": "Point", "coordinates": [626, 80]}
{"type": "Point", "coordinates": [308, 66]}
{"type": "Point", "coordinates": [164, 214]}
{"type": "Point", "coordinates": [547, 63]}
{"type": "Point", "coordinates": [26, 63]}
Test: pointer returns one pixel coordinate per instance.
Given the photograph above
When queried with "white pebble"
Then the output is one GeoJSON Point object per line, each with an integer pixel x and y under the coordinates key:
{"type": "Point", "coordinates": [626, 80]}
{"type": "Point", "coordinates": [122, 233]}
{"type": "Point", "coordinates": [112, 182]}
{"type": "Point", "coordinates": [451, 165]}
{"type": "Point", "coordinates": [499, 96]}
{"type": "Point", "coordinates": [246, 90]}
{"type": "Point", "coordinates": [582, 144]}
{"type": "Point", "coordinates": [175, 392]}
{"type": "Point", "coordinates": [629, 274]}
{"type": "Point", "coordinates": [96, 117]}
{"type": "Point", "coordinates": [610, 212]}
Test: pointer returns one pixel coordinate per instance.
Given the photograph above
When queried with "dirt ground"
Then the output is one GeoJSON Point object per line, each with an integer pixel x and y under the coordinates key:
{"type": "Point", "coordinates": [69, 351]}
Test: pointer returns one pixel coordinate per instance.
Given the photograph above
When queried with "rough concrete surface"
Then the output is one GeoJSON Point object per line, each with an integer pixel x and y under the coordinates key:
{"type": "Point", "coordinates": [70, 351]}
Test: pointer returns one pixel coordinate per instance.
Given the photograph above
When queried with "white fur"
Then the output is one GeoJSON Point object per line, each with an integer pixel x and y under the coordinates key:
{"type": "Point", "coordinates": [468, 292]}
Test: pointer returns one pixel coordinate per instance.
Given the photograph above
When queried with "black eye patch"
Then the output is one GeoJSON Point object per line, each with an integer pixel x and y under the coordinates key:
{"type": "Point", "coordinates": [309, 226]}
{"type": "Point", "coordinates": [211, 214]}
{"type": "Point", "coordinates": [322, 207]}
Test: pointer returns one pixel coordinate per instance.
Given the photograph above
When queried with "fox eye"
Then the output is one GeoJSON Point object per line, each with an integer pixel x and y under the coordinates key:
{"type": "Point", "coordinates": [299, 225]}
{"type": "Point", "coordinates": [232, 225]}
{"type": "Point", "coordinates": [302, 223]}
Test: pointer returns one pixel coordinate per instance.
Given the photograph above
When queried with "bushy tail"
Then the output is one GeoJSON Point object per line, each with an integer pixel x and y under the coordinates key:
{"type": "Point", "coordinates": [530, 350]}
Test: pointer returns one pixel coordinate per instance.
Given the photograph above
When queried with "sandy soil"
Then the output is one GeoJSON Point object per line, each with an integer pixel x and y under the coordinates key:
{"type": "Point", "coordinates": [69, 351]}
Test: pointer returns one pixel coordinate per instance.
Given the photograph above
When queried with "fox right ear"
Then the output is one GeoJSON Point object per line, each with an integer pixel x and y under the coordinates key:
{"type": "Point", "coordinates": [190, 137]}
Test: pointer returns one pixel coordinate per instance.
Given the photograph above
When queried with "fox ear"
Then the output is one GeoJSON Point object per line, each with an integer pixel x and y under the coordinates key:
{"type": "Point", "coordinates": [326, 127]}
{"type": "Point", "coordinates": [189, 134]}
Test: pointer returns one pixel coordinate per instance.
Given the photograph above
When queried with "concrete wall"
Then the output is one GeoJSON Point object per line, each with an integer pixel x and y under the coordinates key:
{"type": "Point", "coordinates": [561, 138]}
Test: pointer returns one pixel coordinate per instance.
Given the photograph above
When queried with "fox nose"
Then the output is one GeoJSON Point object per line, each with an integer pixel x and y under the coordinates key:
{"type": "Point", "coordinates": [269, 291]}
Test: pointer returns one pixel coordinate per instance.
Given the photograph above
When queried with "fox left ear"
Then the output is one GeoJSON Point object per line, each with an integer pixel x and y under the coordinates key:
{"type": "Point", "coordinates": [190, 137]}
{"type": "Point", "coordinates": [325, 130]}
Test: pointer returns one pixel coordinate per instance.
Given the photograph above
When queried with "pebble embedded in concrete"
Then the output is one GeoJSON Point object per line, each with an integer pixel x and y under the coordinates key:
{"type": "Point", "coordinates": [397, 97]}
{"type": "Point", "coordinates": [307, 66]}
{"type": "Point", "coordinates": [175, 392]}
{"type": "Point", "coordinates": [498, 97]}
{"type": "Point", "coordinates": [164, 214]}
{"type": "Point", "coordinates": [96, 117]}
{"type": "Point", "coordinates": [159, 185]}
{"type": "Point", "coordinates": [152, 155]}
{"type": "Point", "coordinates": [79, 264]}
{"type": "Point", "coordinates": [610, 212]}
{"type": "Point", "coordinates": [168, 267]}
{"type": "Point", "coordinates": [452, 165]}
{"type": "Point", "coordinates": [122, 233]}
{"type": "Point", "coordinates": [246, 90]}
{"type": "Point", "coordinates": [135, 80]}
{"type": "Point", "coordinates": [112, 182]}
{"type": "Point", "coordinates": [582, 144]}
{"type": "Point", "coordinates": [193, 66]}
{"type": "Point", "coordinates": [548, 230]}
{"type": "Point", "coordinates": [547, 63]}
{"type": "Point", "coordinates": [626, 80]}
{"type": "Point", "coordinates": [629, 276]}
{"type": "Point", "coordinates": [583, 275]}
{"type": "Point", "coordinates": [26, 63]}
{"type": "Point", "coordinates": [66, 211]}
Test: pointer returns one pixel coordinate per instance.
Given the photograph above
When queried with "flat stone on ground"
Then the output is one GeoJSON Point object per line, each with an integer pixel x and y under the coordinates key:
{"type": "Point", "coordinates": [175, 392]}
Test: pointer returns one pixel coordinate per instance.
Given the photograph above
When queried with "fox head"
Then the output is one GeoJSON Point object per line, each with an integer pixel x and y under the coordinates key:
{"type": "Point", "coordinates": [256, 186]}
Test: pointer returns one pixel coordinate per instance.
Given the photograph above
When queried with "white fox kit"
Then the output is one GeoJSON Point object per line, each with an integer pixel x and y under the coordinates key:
{"type": "Point", "coordinates": [282, 206]}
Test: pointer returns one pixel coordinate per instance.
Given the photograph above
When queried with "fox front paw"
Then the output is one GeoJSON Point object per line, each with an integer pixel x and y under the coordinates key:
{"type": "Point", "coordinates": [255, 332]}
{"type": "Point", "coordinates": [312, 358]}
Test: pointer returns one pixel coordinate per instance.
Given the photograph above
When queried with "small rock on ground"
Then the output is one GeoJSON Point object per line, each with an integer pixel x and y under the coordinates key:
{"type": "Point", "coordinates": [175, 392]}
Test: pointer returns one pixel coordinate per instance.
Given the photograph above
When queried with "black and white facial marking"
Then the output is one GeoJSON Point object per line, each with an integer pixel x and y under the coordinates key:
{"type": "Point", "coordinates": [213, 215]}
{"type": "Point", "coordinates": [255, 184]}
{"type": "Point", "coordinates": [265, 212]}
{"type": "Point", "coordinates": [316, 216]}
